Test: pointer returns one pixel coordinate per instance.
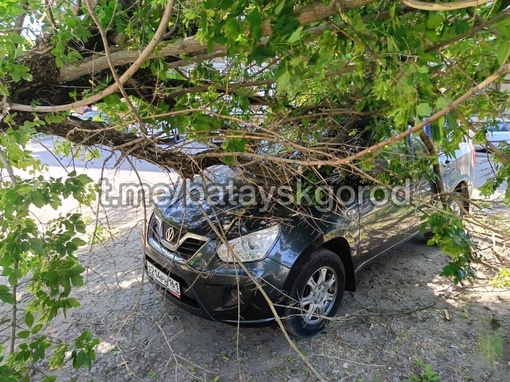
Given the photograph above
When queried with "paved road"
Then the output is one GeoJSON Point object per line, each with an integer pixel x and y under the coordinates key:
{"type": "Point", "coordinates": [107, 165]}
{"type": "Point", "coordinates": [43, 150]}
{"type": "Point", "coordinates": [114, 173]}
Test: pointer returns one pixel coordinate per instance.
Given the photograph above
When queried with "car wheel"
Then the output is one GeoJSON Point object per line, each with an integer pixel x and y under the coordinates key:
{"type": "Point", "coordinates": [315, 293]}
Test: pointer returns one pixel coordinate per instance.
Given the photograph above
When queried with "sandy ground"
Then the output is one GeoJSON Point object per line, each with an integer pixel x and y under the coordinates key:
{"type": "Point", "coordinates": [402, 315]}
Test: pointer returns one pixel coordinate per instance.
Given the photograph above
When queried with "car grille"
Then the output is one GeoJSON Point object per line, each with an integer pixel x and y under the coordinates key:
{"type": "Point", "coordinates": [177, 241]}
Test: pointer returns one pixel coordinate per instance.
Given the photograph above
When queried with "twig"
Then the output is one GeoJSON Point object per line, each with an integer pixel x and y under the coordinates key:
{"type": "Point", "coordinates": [14, 287]}
{"type": "Point", "coordinates": [395, 314]}
{"type": "Point", "coordinates": [496, 253]}
{"type": "Point", "coordinates": [347, 360]}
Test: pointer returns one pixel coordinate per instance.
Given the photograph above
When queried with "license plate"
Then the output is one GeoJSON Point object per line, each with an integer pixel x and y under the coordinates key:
{"type": "Point", "coordinates": [164, 280]}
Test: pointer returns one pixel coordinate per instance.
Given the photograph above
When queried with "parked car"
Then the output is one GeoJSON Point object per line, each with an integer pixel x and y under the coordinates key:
{"type": "Point", "coordinates": [302, 261]}
{"type": "Point", "coordinates": [497, 133]}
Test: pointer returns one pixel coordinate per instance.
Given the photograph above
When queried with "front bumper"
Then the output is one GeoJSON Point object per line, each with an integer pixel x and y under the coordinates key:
{"type": "Point", "coordinates": [220, 291]}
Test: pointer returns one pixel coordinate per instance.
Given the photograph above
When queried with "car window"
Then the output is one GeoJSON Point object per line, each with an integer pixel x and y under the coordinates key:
{"type": "Point", "coordinates": [503, 126]}
{"type": "Point", "coordinates": [500, 126]}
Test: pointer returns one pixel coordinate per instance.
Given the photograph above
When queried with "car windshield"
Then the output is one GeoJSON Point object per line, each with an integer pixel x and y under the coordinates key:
{"type": "Point", "coordinates": [503, 126]}
{"type": "Point", "coordinates": [500, 126]}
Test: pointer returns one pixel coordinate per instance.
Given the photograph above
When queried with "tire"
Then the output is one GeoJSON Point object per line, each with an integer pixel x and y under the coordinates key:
{"type": "Point", "coordinates": [315, 293]}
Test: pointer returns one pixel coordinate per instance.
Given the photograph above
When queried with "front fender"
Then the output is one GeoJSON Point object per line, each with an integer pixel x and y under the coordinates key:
{"type": "Point", "coordinates": [300, 239]}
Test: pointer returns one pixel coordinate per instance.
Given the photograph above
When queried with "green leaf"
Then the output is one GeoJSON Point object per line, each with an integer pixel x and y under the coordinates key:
{"type": "Point", "coordinates": [423, 110]}
{"type": "Point", "coordinates": [295, 36]}
{"type": "Point", "coordinates": [461, 26]}
{"type": "Point", "coordinates": [441, 121]}
{"type": "Point", "coordinates": [225, 4]}
{"type": "Point", "coordinates": [434, 20]}
{"type": "Point", "coordinates": [38, 199]}
{"type": "Point", "coordinates": [235, 145]}
{"type": "Point", "coordinates": [502, 54]}
{"type": "Point", "coordinates": [83, 179]}
{"type": "Point", "coordinates": [112, 99]}
{"type": "Point", "coordinates": [437, 131]}
{"type": "Point", "coordinates": [441, 103]}
{"type": "Point", "coordinates": [424, 69]}
{"type": "Point", "coordinates": [3, 90]}
{"type": "Point", "coordinates": [6, 295]}
{"type": "Point", "coordinates": [261, 53]}
{"type": "Point", "coordinates": [37, 328]}
{"type": "Point", "coordinates": [72, 303]}
{"type": "Point", "coordinates": [23, 334]}
{"type": "Point", "coordinates": [29, 318]}
{"type": "Point", "coordinates": [229, 161]}
{"type": "Point", "coordinates": [13, 278]}
{"type": "Point", "coordinates": [57, 359]}
{"type": "Point", "coordinates": [77, 280]}
{"type": "Point", "coordinates": [279, 8]}
{"type": "Point", "coordinates": [17, 39]}
{"type": "Point", "coordinates": [283, 81]}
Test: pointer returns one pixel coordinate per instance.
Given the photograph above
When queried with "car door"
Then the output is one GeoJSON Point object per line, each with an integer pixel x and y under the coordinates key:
{"type": "Point", "coordinates": [387, 215]}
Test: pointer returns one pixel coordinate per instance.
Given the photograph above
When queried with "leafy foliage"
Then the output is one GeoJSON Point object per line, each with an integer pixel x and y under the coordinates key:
{"type": "Point", "coordinates": [427, 374]}
{"type": "Point", "coordinates": [42, 254]}
{"type": "Point", "coordinates": [450, 234]}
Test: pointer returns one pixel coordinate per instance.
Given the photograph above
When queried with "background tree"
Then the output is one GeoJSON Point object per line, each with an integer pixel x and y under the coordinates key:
{"type": "Point", "coordinates": [284, 72]}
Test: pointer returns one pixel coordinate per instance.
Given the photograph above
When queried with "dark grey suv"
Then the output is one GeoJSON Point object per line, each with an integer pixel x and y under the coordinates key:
{"type": "Point", "coordinates": [303, 255]}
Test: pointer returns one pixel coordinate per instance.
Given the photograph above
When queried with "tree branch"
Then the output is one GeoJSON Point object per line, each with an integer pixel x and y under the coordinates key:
{"type": "Point", "coordinates": [426, 6]}
{"type": "Point", "coordinates": [440, 190]}
{"type": "Point", "coordinates": [142, 57]}
{"type": "Point", "coordinates": [375, 148]}
{"type": "Point", "coordinates": [192, 46]}
{"type": "Point", "coordinates": [94, 133]}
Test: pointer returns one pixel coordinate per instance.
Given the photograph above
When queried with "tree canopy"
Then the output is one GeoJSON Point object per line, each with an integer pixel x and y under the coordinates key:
{"type": "Point", "coordinates": [214, 65]}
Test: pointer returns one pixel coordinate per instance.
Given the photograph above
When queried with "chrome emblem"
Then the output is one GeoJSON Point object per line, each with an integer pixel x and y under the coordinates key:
{"type": "Point", "coordinates": [169, 234]}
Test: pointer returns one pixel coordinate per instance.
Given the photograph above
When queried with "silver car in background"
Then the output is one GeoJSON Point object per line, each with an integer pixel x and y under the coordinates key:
{"type": "Point", "coordinates": [497, 132]}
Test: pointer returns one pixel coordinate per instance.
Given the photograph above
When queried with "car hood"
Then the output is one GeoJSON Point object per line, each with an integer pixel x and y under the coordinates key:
{"type": "Point", "coordinates": [221, 197]}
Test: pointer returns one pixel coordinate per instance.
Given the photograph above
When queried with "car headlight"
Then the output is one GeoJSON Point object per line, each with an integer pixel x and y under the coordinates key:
{"type": "Point", "coordinates": [251, 247]}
